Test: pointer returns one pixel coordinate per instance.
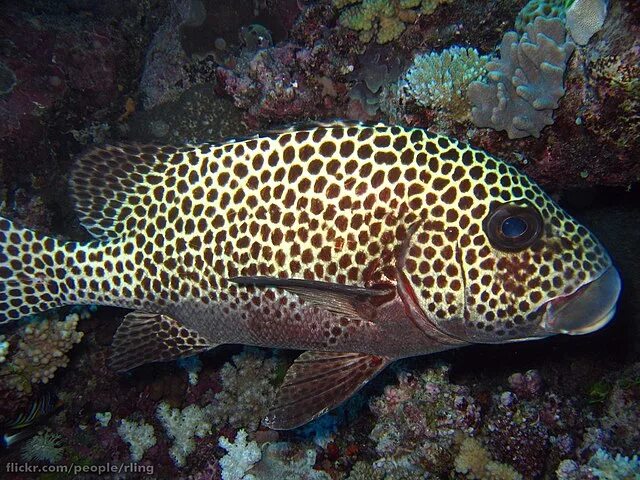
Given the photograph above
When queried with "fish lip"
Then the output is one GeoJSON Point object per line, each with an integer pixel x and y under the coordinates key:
{"type": "Point", "coordinates": [587, 309]}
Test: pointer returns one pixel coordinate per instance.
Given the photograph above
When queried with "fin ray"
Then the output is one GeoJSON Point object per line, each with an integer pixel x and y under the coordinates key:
{"type": "Point", "coordinates": [151, 337]}
{"type": "Point", "coordinates": [29, 283]}
{"type": "Point", "coordinates": [318, 382]}
{"type": "Point", "coordinates": [108, 181]}
{"type": "Point", "coordinates": [345, 300]}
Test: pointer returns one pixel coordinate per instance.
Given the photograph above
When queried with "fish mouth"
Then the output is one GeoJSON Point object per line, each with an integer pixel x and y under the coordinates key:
{"type": "Point", "coordinates": [587, 309]}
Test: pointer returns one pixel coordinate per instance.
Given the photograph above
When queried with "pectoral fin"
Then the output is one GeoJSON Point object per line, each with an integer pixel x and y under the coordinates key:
{"type": "Point", "coordinates": [152, 337]}
{"type": "Point", "coordinates": [318, 382]}
{"type": "Point", "coordinates": [345, 300]}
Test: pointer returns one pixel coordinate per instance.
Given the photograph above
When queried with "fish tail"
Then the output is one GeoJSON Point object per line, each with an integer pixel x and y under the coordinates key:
{"type": "Point", "coordinates": [31, 267]}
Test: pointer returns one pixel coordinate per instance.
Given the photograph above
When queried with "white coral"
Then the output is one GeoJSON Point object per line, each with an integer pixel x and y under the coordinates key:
{"type": "Point", "coordinates": [139, 436]}
{"type": "Point", "coordinates": [440, 80]}
{"type": "Point", "coordinates": [247, 390]}
{"type": "Point", "coordinates": [182, 426]}
{"type": "Point", "coordinates": [240, 458]}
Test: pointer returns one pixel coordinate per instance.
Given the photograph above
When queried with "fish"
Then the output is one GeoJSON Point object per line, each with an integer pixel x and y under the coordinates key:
{"type": "Point", "coordinates": [357, 244]}
{"type": "Point", "coordinates": [23, 426]}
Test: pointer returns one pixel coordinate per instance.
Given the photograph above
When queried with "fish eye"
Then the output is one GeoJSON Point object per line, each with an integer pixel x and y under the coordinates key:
{"type": "Point", "coordinates": [512, 227]}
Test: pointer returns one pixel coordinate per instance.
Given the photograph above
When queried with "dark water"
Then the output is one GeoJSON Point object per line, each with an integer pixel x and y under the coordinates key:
{"type": "Point", "coordinates": [79, 73]}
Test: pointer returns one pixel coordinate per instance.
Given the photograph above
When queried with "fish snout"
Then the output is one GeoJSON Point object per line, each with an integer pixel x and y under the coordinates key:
{"type": "Point", "coordinates": [587, 309]}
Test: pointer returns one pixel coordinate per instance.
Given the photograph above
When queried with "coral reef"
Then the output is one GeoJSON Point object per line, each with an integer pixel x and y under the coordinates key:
{"type": "Point", "coordinates": [526, 83]}
{"type": "Point", "coordinates": [163, 77]}
{"type": "Point", "coordinates": [474, 461]}
{"type": "Point", "coordinates": [182, 426]}
{"type": "Point", "coordinates": [247, 390]}
{"type": "Point", "coordinates": [139, 436]}
{"type": "Point", "coordinates": [612, 68]}
{"type": "Point", "coordinates": [44, 447]}
{"type": "Point", "coordinates": [240, 457]}
{"type": "Point", "coordinates": [417, 421]}
{"type": "Point", "coordinates": [440, 80]}
{"type": "Point", "coordinates": [378, 68]}
{"type": "Point", "coordinates": [286, 461]}
{"type": "Point", "coordinates": [283, 461]}
{"type": "Point", "coordinates": [382, 19]}
{"type": "Point", "coordinates": [603, 465]}
{"type": "Point", "coordinates": [230, 68]}
{"type": "Point", "coordinates": [41, 349]}
{"type": "Point", "coordinates": [539, 8]}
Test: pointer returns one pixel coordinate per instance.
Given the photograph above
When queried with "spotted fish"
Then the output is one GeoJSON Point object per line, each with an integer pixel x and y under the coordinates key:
{"type": "Point", "coordinates": [358, 244]}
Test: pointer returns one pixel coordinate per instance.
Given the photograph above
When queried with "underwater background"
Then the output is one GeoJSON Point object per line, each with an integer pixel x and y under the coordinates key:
{"type": "Point", "coordinates": [77, 73]}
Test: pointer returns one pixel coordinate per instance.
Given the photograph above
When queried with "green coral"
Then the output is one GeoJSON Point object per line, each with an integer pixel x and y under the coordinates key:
{"type": "Point", "coordinates": [383, 19]}
{"type": "Point", "coordinates": [541, 8]}
{"type": "Point", "coordinates": [440, 80]}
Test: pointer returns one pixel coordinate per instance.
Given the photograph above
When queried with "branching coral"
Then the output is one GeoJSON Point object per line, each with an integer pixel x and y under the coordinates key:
{"type": "Point", "coordinates": [605, 466]}
{"type": "Point", "coordinates": [240, 458]}
{"type": "Point", "coordinates": [525, 85]}
{"type": "Point", "coordinates": [245, 461]}
{"type": "Point", "coordinates": [182, 426]}
{"type": "Point", "coordinates": [41, 350]}
{"type": "Point", "coordinates": [247, 390]}
{"type": "Point", "coordinates": [384, 19]}
{"type": "Point", "coordinates": [139, 436]}
{"type": "Point", "coordinates": [440, 80]}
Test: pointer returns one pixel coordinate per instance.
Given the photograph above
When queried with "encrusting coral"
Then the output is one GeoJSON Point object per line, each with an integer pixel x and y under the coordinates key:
{"type": "Point", "coordinates": [526, 83]}
{"type": "Point", "coordinates": [417, 422]}
{"type": "Point", "coordinates": [384, 19]}
{"type": "Point", "coordinates": [540, 8]}
{"type": "Point", "coordinates": [440, 80]}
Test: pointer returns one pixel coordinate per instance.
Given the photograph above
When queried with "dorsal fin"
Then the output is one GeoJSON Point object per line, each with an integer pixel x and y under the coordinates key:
{"type": "Point", "coordinates": [108, 182]}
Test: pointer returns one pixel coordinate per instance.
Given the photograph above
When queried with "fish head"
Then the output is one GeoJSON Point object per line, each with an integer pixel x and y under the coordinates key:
{"type": "Point", "coordinates": [500, 261]}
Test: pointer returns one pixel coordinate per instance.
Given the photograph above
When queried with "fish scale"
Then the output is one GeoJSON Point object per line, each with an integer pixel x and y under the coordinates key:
{"type": "Point", "coordinates": [339, 237]}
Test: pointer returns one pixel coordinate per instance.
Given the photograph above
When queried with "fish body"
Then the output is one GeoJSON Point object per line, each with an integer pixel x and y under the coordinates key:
{"type": "Point", "coordinates": [359, 244]}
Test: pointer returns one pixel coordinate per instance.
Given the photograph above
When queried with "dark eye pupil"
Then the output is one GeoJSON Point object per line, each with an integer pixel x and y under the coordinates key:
{"type": "Point", "coordinates": [513, 227]}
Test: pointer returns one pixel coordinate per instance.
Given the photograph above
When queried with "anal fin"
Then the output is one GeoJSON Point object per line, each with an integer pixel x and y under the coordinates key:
{"type": "Point", "coordinates": [151, 337]}
{"type": "Point", "coordinates": [318, 382]}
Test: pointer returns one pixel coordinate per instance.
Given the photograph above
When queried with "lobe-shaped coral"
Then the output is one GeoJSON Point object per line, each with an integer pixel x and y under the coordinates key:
{"type": "Point", "coordinates": [526, 82]}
